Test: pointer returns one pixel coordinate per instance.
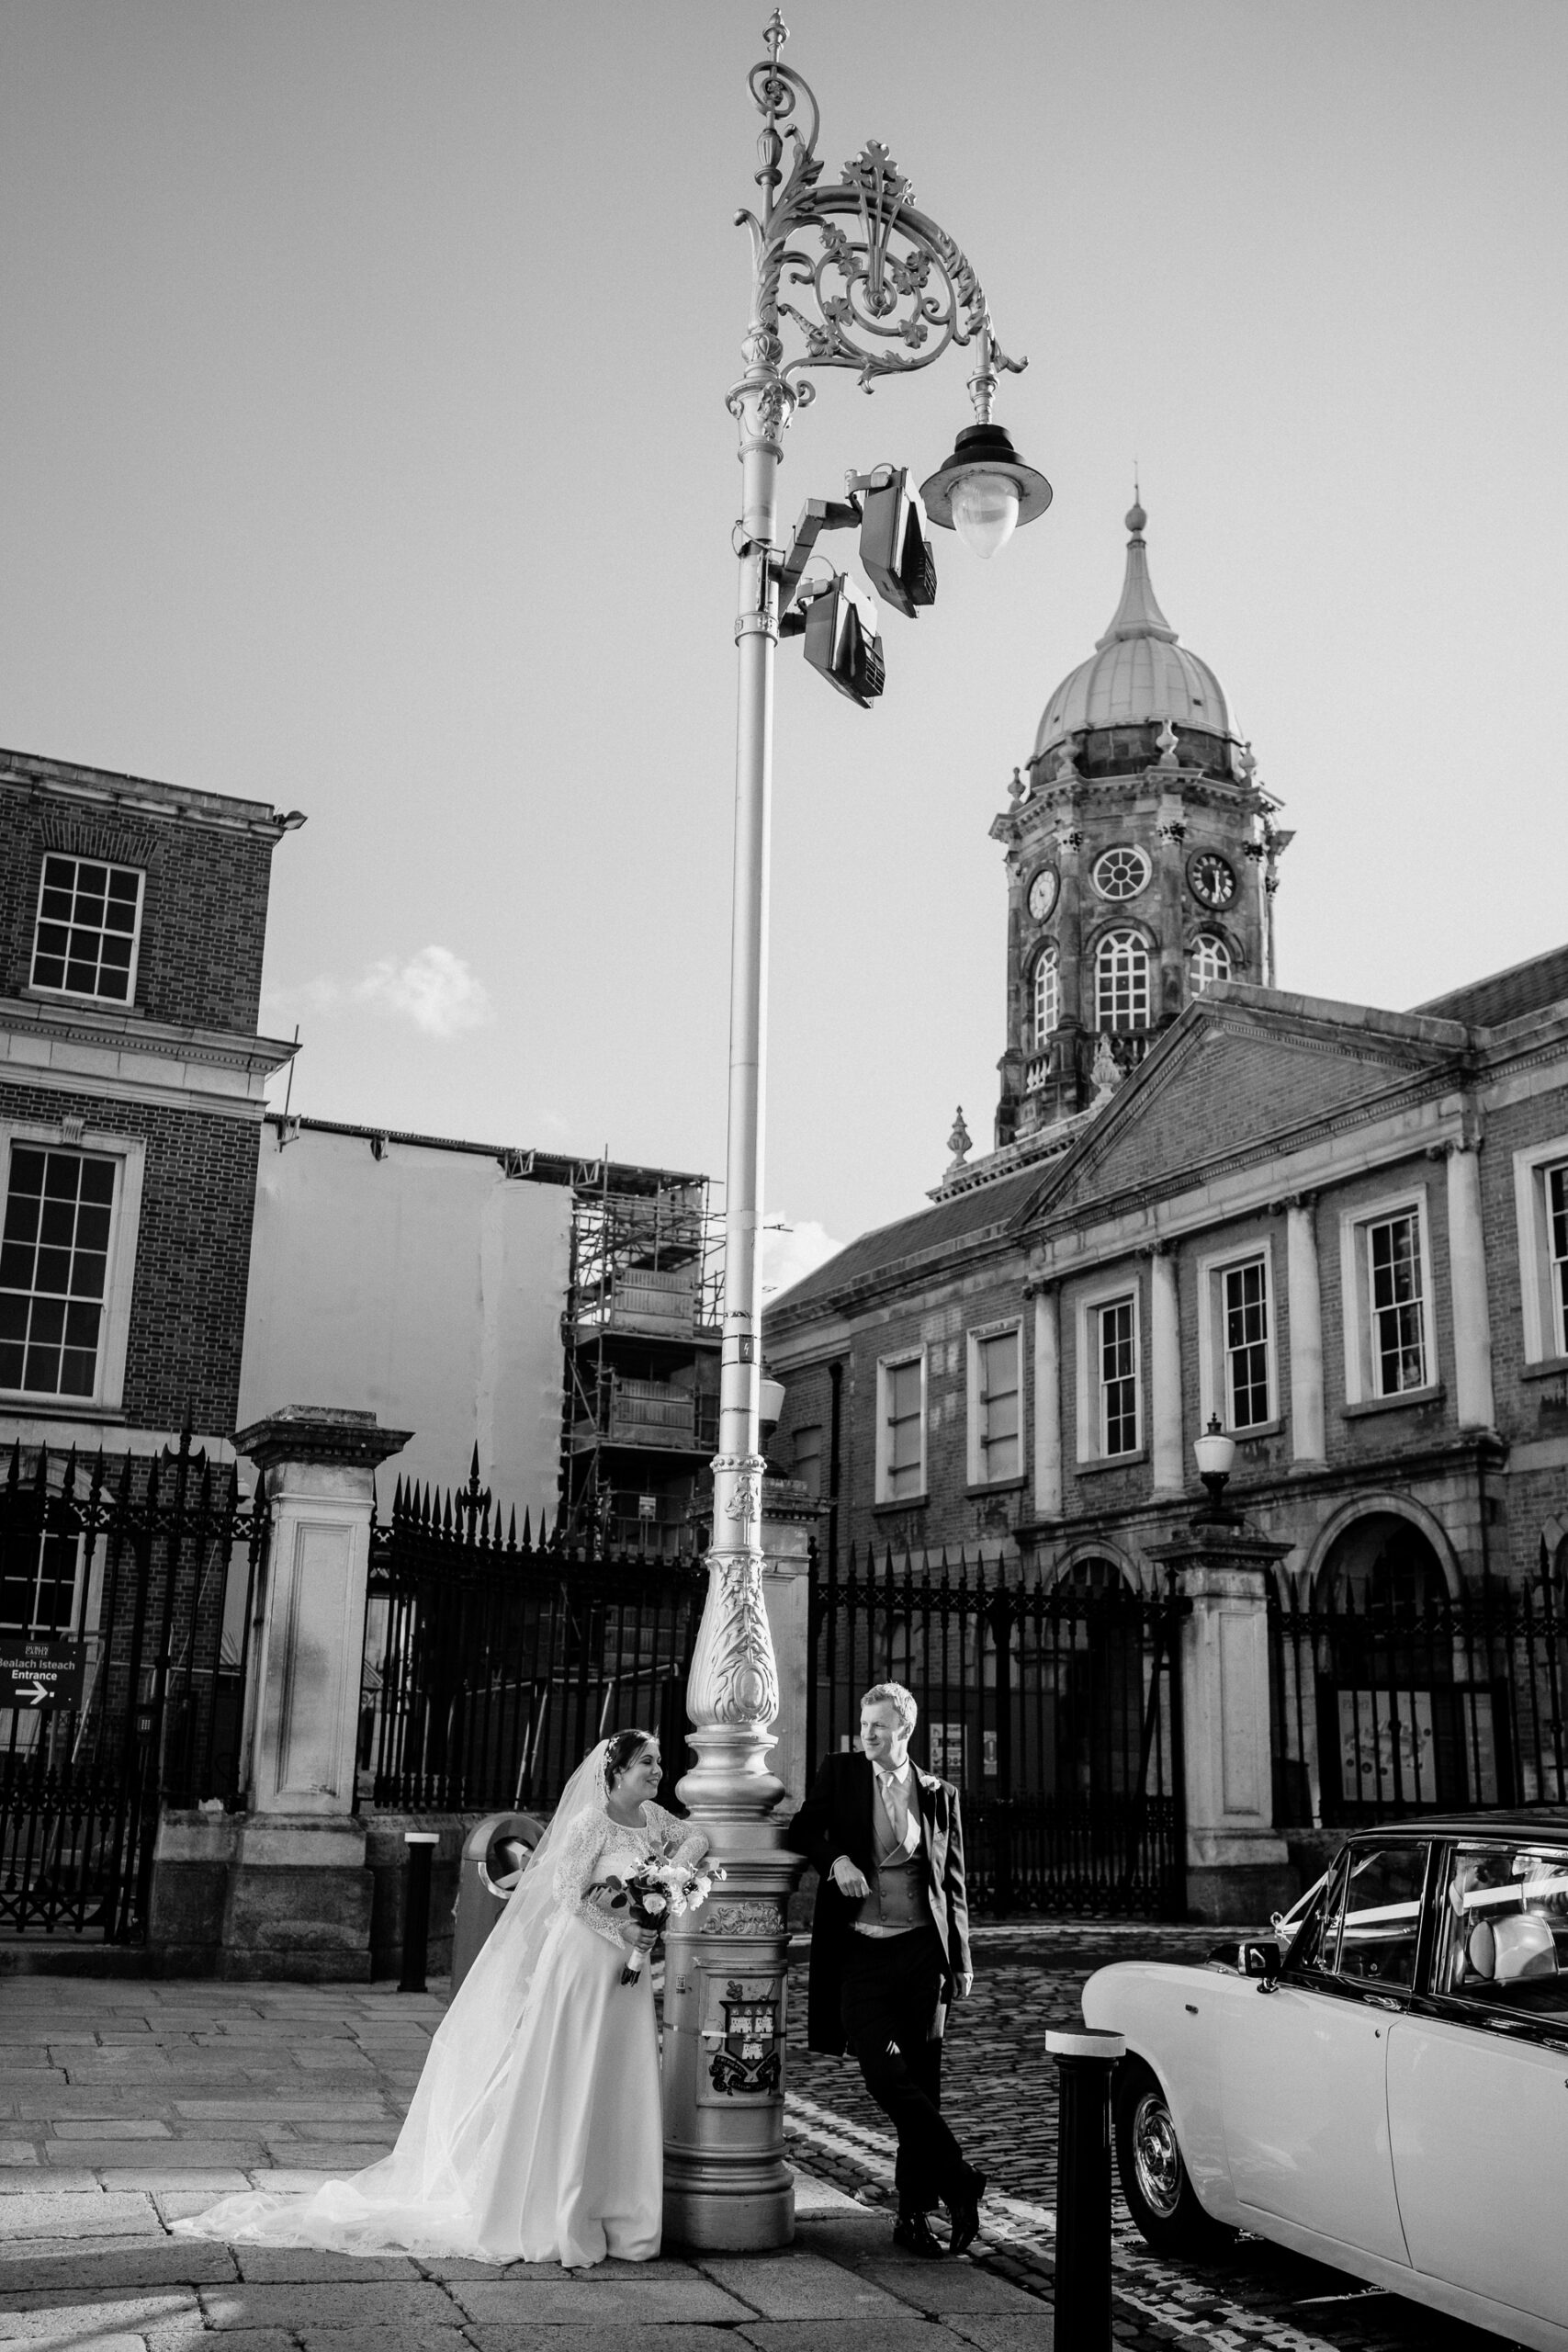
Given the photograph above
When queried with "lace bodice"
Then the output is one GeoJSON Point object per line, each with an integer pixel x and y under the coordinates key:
{"type": "Point", "coordinates": [597, 1847]}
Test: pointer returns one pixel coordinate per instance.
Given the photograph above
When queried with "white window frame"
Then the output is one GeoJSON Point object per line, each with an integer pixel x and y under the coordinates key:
{"type": "Point", "coordinates": [1214, 1366]}
{"type": "Point", "coordinates": [129, 1154]}
{"type": "Point", "coordinates": [1135, 1026]}
{"type": "Point", "coordinates": [977, 1472]}
{"type": "Point", "coordinates": [1087, 1311]}
{"type": "Point", "coordinates": [885, 1366]}
{"type": "Point", "coordinates": [90, 996]}
{"type": "Point", "coordinates": [1199, 981]}
{"type": "Point", "coordinates": [1356, 1295]}
{"type": "Point", "coordinates": [1146, 873]}
{"type": "Point", "coordinates": [1049, 960]}
{"type": "Point", "coordinates": [1543, 1333]}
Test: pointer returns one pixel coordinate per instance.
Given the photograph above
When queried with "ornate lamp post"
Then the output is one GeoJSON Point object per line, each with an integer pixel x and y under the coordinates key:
{"type": "Point", "coordinates": [883, 290]}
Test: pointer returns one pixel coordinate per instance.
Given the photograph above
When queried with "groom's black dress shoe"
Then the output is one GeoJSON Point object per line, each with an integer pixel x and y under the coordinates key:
{"type": "Point", "coordinates": [916, 2236]}
{"type": "Point", "coordinates": [966, 2211]}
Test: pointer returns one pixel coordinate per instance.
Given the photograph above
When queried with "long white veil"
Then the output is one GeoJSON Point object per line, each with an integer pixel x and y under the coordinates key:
{"type": "Point", "coordinates": [426, 2197]}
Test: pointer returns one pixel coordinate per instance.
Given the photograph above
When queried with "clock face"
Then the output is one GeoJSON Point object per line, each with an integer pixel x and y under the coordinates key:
{"type": "Point", "coordinates": [1210, 878]}
{"type": "Point", "coordinates": [1043, 892]}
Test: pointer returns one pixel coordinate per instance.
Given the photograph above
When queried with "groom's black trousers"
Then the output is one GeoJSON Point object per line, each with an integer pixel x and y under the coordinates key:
{"type": "Point", "coordinates": [893, 1986]}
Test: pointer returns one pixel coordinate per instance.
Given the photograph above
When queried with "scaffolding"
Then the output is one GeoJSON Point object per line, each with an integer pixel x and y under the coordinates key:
{"type": "Point", "coordinates": [642, 1329]}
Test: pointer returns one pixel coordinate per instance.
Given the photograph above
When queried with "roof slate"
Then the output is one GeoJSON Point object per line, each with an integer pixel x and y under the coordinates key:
{"type": "Point", "coordinates": [1505, 996]}
{"type": "Point", "coordinates": [964, 1218]}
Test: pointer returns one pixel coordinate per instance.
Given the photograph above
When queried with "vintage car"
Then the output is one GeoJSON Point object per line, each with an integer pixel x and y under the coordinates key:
{"type": "Point", "coordinates": [1389, 2091]}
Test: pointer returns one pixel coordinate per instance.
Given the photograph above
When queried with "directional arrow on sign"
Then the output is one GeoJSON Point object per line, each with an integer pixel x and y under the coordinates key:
{"type": "Point", "coordinates": [35, 1695]}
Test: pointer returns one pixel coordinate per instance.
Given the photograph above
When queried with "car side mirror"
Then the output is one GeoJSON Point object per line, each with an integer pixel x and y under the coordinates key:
{"type": "Point", "coordinates": [1262, 1959]}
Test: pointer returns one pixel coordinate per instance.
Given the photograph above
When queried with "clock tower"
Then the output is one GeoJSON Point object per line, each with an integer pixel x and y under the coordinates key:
{"type": "Point", "coordinates": [1141, 861]}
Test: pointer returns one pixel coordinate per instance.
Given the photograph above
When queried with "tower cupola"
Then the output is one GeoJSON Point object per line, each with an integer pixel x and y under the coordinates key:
{"type": "Point", "coordinates": [1141, 856]}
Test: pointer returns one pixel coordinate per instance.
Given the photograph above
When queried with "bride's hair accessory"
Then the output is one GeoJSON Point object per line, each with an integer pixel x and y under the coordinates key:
{"type": "Point", "coordinates": [622, 1751]}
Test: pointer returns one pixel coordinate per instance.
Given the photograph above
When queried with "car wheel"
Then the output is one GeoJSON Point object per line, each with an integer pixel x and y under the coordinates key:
{"type": "Point", "coordinates": [1154, 2181]}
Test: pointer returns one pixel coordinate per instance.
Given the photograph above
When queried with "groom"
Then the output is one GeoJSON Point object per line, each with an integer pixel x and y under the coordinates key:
{"type": "Point", "coordinates": [890, 1949]}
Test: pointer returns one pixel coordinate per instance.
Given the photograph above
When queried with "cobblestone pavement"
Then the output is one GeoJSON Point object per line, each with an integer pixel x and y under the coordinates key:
{"type": "Point", "coordinates": [998, 2090]}
{"type": "Point", "coordinates": [125, 2104]}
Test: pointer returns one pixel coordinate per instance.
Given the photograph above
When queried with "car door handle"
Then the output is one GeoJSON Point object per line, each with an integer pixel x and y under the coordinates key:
{"type": "Point", "coordinates": [1380, 2001]}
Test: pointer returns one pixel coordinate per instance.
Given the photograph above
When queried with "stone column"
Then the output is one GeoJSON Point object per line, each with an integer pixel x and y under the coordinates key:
{"type": "Point", "coordinates": [1078, 1007]}
{"type": "Point", "coordinates": [1165, 1374]}
{"type": "Point", "coordinates": [298, 1897]}
{"type": "Point", "coordinates": [1172, 834]}
{"type": "Point", "coordinates": [1306, 1332]}
{"type": "Point", "coordinates": [1237, 1866]}
{"type": "Point", "coordinates": [1047, 1404]}
{"type": "Point", "coordinates": [1467, 1286]}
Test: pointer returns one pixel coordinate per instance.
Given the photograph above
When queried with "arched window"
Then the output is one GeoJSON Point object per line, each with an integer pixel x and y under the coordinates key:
{"type": "Point", "coordinates": [1122, 982]}
{"type": "Point", "coordinates": [1208, 960]}
{"type": "Point", "coordinates": [1047, 994]}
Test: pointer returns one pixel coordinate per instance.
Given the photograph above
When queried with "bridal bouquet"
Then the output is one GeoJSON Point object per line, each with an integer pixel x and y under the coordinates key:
{"type": "Point", "coordinates": [660, 1889]}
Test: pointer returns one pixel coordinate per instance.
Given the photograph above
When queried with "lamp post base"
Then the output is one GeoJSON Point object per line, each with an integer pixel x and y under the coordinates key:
{"type": "Point", "coordinates": [726, 2187]}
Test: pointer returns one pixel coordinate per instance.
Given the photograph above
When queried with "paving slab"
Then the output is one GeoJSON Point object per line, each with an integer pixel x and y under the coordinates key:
{"type": "Point", "coordinates": [937, 2288]}
{"type": "Point", "coordinates": [232, 2339]}
{"type": "Point", "coordinates": [34, 2315]}
{"type": "Point", "coordinates": [157, 2262]}
{"type": "Point", "coordinates": [818, 2199]}
{"type": "Point", "coordinates": [76, 2213]}
{"type": "Point", "coordinates": [108, 2155]}
{"type": "Point", "coordinates": [677, 2336]}
{"type": "Point", "coordinates": [800, 2285]}
{"type": "Point", "coordinates": [321, 2107]}
{"type": "Point", "coordinates": [301, 2266]}
{"type": "Point", "coordinates": [375, 2304]}
{"type": "Point", "coordinates": [373, 2339]}
{"type": "Point", "coordinates": [189, 2158]}
{"type": "Point", "coordinates": [906, 2334]}
{"type": "Point", "coordinates": [62, 2178]}
{"type": "Point", "coordinates": [538, 2302]}
{"type": "Point", "coordinates": [1007, 2331]}
{"type": "Point", "coordinates": [99, 2127]}
{"type": "Point", "coordinates": [178, 2174]}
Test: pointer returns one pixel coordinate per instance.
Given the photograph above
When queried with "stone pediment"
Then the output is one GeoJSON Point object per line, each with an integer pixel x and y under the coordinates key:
{"type": "Point", "coordinates": [1233, 1078]}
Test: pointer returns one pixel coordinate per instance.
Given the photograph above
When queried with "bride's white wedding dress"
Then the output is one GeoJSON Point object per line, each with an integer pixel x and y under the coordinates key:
{"type": "Point", "coordinates": [535, 2132]}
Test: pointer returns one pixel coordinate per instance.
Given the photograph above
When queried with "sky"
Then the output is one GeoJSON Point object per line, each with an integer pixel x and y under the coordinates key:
{"type": "Point", "coordinates": [365, 452]}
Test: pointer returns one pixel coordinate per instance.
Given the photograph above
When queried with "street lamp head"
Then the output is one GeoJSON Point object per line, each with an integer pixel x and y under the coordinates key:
{"type": "Point", "coordinates": [1215, 1454]}
{"type": "Point", "coordinates": [985, 490]}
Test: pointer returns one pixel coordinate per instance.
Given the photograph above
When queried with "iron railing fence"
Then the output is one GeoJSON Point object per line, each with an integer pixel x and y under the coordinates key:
{"type": "Point", "coordinates": [1055, 1708]}
{"type": "Point", "coordinates": [127, 1588]}
{"type": "Point", "coordinates": [1382, 1708]}
{"type": "Point", "coordinates": [492, 1662]}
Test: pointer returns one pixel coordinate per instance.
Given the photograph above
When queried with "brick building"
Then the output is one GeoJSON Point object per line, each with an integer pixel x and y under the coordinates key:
{"type": "Point", "coordinates": [132, 921]}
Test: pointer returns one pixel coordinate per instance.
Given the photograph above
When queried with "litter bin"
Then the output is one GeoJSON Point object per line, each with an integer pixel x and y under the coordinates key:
{"type": "Point", "coordinates": [493, 1852]}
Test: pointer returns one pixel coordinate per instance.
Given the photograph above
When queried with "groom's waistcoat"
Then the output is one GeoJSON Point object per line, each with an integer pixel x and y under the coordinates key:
{"type": "Point", "coordinates": [897, 1900]}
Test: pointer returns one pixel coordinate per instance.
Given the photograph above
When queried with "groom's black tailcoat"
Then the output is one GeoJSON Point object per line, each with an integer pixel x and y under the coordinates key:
{"type": "Point", "coordinates": [837, 1819]}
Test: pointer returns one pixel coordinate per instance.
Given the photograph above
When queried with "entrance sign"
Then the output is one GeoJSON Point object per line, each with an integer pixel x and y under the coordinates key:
{"type": "Point", "coordinates": [46, 1672]}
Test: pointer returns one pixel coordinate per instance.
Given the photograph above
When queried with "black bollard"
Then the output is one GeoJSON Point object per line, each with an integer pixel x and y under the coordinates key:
{"type": "Point", "coordinates": [421, 1845]}
{"type": "Point", "coordinates": [1085, 2059]}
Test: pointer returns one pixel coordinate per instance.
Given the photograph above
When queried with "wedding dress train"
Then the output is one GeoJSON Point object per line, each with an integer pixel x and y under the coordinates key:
{"type": "Point", "coordinates": [535, 2132]}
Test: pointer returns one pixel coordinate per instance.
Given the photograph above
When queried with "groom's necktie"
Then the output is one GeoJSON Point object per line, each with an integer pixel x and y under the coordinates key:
{"type": "Point", "coordinates": [893, 1797]}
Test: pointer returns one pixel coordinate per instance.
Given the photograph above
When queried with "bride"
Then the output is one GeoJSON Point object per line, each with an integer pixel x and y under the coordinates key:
{"type": "Point", "coordinates": [534, 2134]}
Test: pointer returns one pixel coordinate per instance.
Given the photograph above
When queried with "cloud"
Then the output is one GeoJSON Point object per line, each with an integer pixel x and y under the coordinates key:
{"type": "Point", "coordinates": [434, 989]}
{"type": "Point", "coordinates": [791, 1249]}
